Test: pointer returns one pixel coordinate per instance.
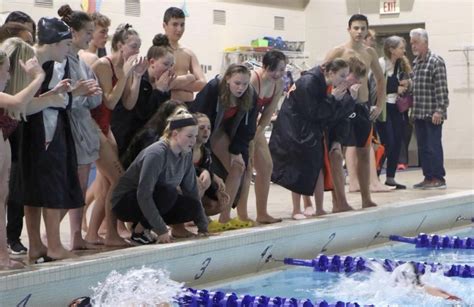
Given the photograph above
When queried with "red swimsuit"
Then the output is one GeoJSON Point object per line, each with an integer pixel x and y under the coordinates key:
{"type": "Point", "coordinates": [102, 114]}
{"type": "Point", "coordinates": [262, 102]}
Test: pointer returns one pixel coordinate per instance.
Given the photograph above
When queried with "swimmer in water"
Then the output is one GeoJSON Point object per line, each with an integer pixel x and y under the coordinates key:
{"type": "Point", "coordinates": [407, 274]}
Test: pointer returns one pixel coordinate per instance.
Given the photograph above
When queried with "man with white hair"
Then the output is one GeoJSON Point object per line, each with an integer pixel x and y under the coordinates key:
{"type": "Point", "coordinates": [430, 93]}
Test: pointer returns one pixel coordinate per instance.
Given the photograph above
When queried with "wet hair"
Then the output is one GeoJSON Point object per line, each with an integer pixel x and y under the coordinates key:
{"type": "Point", "coordinates": [358, 17]}
{"type": "Point", "coordinates": [13, 29]}
{"type": "Point", "coordinates": [16, 49]}
{"type": "Point", "coordinates": [357, 67]}
{"type": "Point", "coordinates": [245, 101]}
{"type": "Point", "coordinates": [161, 40]}
{"type": "Point", "coordinates": [121, 35]}
{"type": "Point", "coordinates": [186, 117]}
{"type": "Point", "coordinates": [418, 275]}
{"type": "Point", "coordinates": [421, 33]}
{"type": "Point", "coordinates": [100, 19]}
{"type": "Point", "coordinates": [21, 17]}
{"type": "Point", "coordinates": [158, 120]}
{"type": "Point", "coordinates": [160, 47]}
{"type": "Point", "coordinates": [154, 127]}
{"type": "Point", "coordinates": [173, 12]}
{"type": "Point", "coordinates": [335, 65]}
{"type": "Point", "coordinates": [199, 115]}
{"type": "Point", "coordinates": [272, 58]}
{"type": "Point", "coordinates": [77, 20]}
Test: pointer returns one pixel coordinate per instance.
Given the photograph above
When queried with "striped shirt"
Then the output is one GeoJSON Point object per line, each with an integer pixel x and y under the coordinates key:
{"type": "Point", "coordinates": [430, 86]}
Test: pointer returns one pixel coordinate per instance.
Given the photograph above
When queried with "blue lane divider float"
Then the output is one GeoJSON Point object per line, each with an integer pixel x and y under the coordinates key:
{"type": "Point", "coordinates": [436, 241]}
{"type": "Point", "coordinates": [205, 298]}
{"type": "Point", "coordinates": [349, 264]}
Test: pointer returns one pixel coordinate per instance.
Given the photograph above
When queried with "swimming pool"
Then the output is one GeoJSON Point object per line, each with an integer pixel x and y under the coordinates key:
{"type": "Point", "coordinates": [201, 262]}
{"type": "Point", "coordinates": [376, 288]}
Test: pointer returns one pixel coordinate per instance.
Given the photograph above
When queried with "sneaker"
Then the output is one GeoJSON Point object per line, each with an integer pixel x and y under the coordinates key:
{"type": "Point", "coordinates": [422, 184]}
{"type": "Point", "coordinates": [17, 248]}
{"type": "Point", "coordinates": [150, 235]}
{"type": "Point", "coordinates": [396, 185]}
{"type": "Point", "coordinates": [435, 184]}
{"type": "Point", "coordinates": [143, 238]}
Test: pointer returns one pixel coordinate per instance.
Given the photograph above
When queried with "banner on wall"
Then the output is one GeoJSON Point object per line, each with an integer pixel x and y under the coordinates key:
{"type": "Point", "coordinates": [91, 6]}
{"type": "Point", "coordinates": [389, 7]}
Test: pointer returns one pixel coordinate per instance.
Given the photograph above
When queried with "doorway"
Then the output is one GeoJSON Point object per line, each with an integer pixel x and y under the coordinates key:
{"type": "Point", "coordinates": [409, 151]}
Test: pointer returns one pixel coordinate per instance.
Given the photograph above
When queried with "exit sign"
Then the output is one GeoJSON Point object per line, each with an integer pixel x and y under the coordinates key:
{"type": "Point", "coordinates": [389, 7]}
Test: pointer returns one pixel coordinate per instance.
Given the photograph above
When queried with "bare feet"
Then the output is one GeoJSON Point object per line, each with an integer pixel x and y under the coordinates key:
{"type": "Point", "coordinates": [61, 253]}
{"type": "Point", "coordinates": [11, 264]}
{"type": "Point", "coordinates": [116, 242]}
{"type": "Point", "coordinates": [123, 230]}
{"type": "Point", "coordinates": [343, 208]}
{"type": "Point", "coordinates": [368, 204]}
{"type": "Point", "coordinates": [374, 188]}
{"type": "Point", "coordinates": [267, 219]}
{"type": "Point", "coordinates": [247, 219]}
{"type": "Point", "coordinates": [179, 232]}
{"type": "Point", "coordinates": [82, 244]}
{"type": "Point", "coordinates": [320, 212]}
{"type": "Point", "coordinates": [35, 252]}
{"type": "Point", "coordinates": [309, 211]}
{"type": "Point", "coordinates": [380, 188]}
{"type": "Point", "coordinates": [84, 225]}
{"type": "Point", "coordinates": [94, 240]}
{"type": "Point", "coordinates": [298, 216]}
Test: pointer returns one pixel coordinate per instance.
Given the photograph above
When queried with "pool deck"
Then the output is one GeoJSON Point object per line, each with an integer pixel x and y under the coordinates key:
{"type": "Point", "coordinates": [260, 239]}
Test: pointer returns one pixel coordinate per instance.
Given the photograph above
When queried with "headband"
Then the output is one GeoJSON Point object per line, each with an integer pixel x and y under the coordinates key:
{"type": "Point", "coordinates": [184, 122]}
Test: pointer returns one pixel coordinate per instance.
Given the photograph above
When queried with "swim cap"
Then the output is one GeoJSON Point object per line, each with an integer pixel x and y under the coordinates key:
{"type": "Point", "coordinates": [52, 30]}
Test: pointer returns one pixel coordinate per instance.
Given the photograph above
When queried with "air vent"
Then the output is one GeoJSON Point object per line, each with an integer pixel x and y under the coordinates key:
{"type": "Point", "coordinates": [219, 17]}
{"type": "Point", "coordinates": [279, 23]}
{"type": "Point", "coordinates": [44, 3]}
{"type": "Point", "coordinates": [132, 8]}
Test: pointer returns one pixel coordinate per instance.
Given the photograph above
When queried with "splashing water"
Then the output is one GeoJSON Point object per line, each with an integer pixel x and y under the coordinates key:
{"type": "Point", "coordinates": [397, 288]}
{"type": "Point", "coordinates": [137, 287]}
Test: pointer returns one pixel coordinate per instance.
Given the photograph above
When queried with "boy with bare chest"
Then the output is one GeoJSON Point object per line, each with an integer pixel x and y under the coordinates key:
{"type": "Point", "coordinates": [361, 123]}
{"type": "Point", "coordinates": [190, 77]}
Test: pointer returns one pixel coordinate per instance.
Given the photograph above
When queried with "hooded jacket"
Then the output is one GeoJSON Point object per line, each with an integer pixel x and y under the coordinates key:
{"type": "Point", "coordinates": [296, 140]}
{"type": "Point", "coordinates": [240, 128]}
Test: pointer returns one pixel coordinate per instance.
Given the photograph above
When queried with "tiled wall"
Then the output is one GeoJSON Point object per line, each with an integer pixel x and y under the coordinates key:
{"type": "Point", "coordinates": [449, 25]}
{"type": "Point", "coordinates": [322, 25]}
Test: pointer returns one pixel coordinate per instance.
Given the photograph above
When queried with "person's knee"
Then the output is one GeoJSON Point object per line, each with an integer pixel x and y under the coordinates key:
{"type": "Point", "coordinates": [237, 169]}
{"type": "Point", "coordinates": [264, 165]}
{"type": "Point", "coordinates": [211, 207]}
{"type": "Point", "coordinates": [194, 206]}
{"type": "Point", "coordinates": [206, 184]}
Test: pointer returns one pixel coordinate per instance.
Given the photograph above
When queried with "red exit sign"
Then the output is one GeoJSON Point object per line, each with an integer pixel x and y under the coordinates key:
{"type": "Point", "coordinates": [389, 7]}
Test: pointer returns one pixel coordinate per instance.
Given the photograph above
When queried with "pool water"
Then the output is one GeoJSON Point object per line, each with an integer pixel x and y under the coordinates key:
{"type": "Point", "coordinates": [378, 288]}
